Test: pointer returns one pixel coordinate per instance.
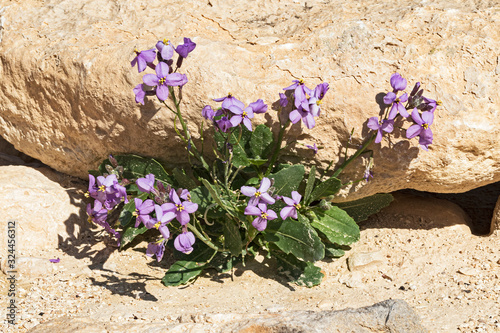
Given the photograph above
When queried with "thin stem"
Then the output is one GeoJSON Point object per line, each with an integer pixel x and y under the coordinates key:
{"type": "Point", "coordinates": [276, 149]}
{"type": "Point", "coordinates": [203, 239]}
{"type": "Point", "coordinates": [353, 157]}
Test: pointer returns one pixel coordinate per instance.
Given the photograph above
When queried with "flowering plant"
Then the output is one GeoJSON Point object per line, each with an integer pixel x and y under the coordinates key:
{"type": "Point", "coordinates": [242, 198]}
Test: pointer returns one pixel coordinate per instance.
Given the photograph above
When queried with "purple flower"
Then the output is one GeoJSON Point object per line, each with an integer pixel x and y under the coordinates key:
{"type": "Point", "coordinates": [241, 116]}
{"type": "Point", "coordinates": [139, 93]}
{"type": "Point", "coordinates": [166, 49]}
{"type": "Point", "coordinates": [181, 209]}
{"type": "Point", "coordinates": [223, 124]}
{"type": "Point", "coordinates": [293, 205]}
{"type": "Point", "coordinates": [386, 126]}
{"type": "Point", "coordinates": [397, 104]}
{"type": "Point", "coordinates": [161, 80]}
{"type": "Point", "coordinates": [428, 104]}
{"type": "Point", "coordinates": [300, 93]}
{"type": "Point", "coordinates": [397, 82]}
{"type": "Point", "coordinates": [367, 175]}
{"type": "Point", "coordinates": [146, 184]}
{"type": "Point", "coordinates": [229, 100]}
{"type": "Point", "coordinates": [258, 106]}
{"type": "Point", "coordinates": [184, 242]}
{"type": "Point", "coordinates": [143, 58]}
{"type": "Point", "coordinates": [306, 116]}
{"type": "Point", "coordinates": [161, 220]}
{"type": "Point", "coordinates": [257, 195]}
{"type": "Point", "coordinates": [186, 48]}
{"type": "Point", "coordinates": [315, 148]}
{"type": "Point", "coordinates": [142, 210]}
{"type": "Point", "coordinates": [283, 100]}
{"type": "Point", "coordinates": [107, 190]}
{"type": "Point", "coordinates": [320, 90]}
{"type": "Point", "coordinates": [207, 112]}
{"type": "Point", "coordinates": [54, 261]}
{"type": "Point", "coordinates": [421, 128]}
{"type": "Point", "coordinates": [157, 249]}
{"type": "Point", "coordinates": [263, 215]}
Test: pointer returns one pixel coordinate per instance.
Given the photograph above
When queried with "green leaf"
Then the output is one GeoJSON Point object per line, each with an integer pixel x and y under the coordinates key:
{"type": "Point", "coordinates": [361, 209]}
{"type": "Point", "coordinates": [337, 226]}
{"type": "Point", "coordinates": [329, 187]}
{"type": "Point", "coordinates": [223, 262]}
{"type": "Point", "coordinates": [260, 142]}
{"type": "Point", "coordinates": [311, 180]}
{"type": "Point", "coordinates": [232, 237]}
{"type": "Point", "coordinates": [301, 273]}
{"type": "Point", "coordinates": [334, 252]}
{"type": "Point", "coordinates": [201, 196]}
{"type": "Point", "coordinates": [239, 145]}
{"type": "Point", "coordinates": [257, 162]}
{"type": "Point", "coordinates": [130, 233]}
{"type": "Point", "coordinates": [183, 180]}
{"type": "Point", "coordinates": [287, 180]}
{"type": "Point", "coordinates": [126, 216]}
{"type": "Point", "coordinates": [213, 193]}
{"type": "Point", "coordinates": [189, 266]}
{"type": "Point", "coordinates": [297, 238]}
{"type": "Point", "coordinates": [138, 167]}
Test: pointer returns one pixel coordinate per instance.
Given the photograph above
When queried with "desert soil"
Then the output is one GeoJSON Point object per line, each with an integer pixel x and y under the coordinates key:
{"type": "Point", "coordinates": [427, 256]}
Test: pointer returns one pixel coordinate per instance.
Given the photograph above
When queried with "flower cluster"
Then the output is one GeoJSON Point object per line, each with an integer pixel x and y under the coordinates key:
{"type": "Point", "coordinates": [168, 204]}
{"type": "Point", "coordinates": [107, 192]}
{"type": "Point", "coordinates": [260, 198]}
{"type": "Point", "coordinates": [233, 112]}
{"type": "Point", "coordinates": [419, 108]}
{"type": "Point", "coordinates": [165, 76]}
{"type": "Point", "coordinates": [306, 102]}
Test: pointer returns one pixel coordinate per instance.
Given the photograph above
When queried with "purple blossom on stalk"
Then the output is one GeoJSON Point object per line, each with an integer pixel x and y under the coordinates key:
{"type": "Point", "coordinates": [257, 195]}
{"type": "Point", "coordinates": [314, 148]}
{"type": "Point", "coordinates": [316, 98]}
{"type": "Point", "coordinates": [107, 190]}
{"type": "Point", "coordinates": [421, 128]}
{"type": "Point", "coordinates": [184, 49]}
{"type": "Point", "coordinates": [241, 116]}
{"type": "Point", "coordinates": [397, 104]}
{"type": "Point", "coordinates": [162, 80]}
{"type": "Point", "coordinates": [283, 100]}
{"type": "Point", "coordinates": [207, 112]}
{"type": "Point", "coordinates": [146, 184]}
{"type": "Point", "coordinates": [139, 93]}
{"type": "Point", "coordinates": [229, 100]}
{"type": "Point", "coordinates": [160, 221]}
{"type": "Point", "coordinates": [386, 126]}
{"type": "Point", "coordinates": [293, 204]}
{"type": "Point", "coordinates": [142, 210]}
{"type": "Point", "coordinates": [157, 249]}
{"type": "Point", "coordinates": [223, 124]}
{"type": "Point", "coordinates": [397, 82]}
{"type": "Point", "coordinates": [184, 242]}
{"type": "Point", "coordinates": [320, 90]}
{"type": "Point", "coordinates": [429, 104]}
{"type": "Point", "coordinates": [263, 215]}
{"type": "Point", "coordinates": [300, 93]}
{"type": "Point", "coordinates": [181, 209]}
{"type": "Point", "coordinates": [166, 49]}
{"type": "Point", "coordinates": [143, 58]}
{"type": "Point", "coordinates": [306, 117]}
{"type": "Point", "coordinates": [367, 175]}
{"type": "Point", "coordinates": [258, 106]}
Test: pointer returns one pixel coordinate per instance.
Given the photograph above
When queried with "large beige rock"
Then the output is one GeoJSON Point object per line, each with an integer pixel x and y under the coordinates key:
{"type": "Point", "coordinates": [46, 214]}
{"type": "Point", "coordinates": [67, 98]}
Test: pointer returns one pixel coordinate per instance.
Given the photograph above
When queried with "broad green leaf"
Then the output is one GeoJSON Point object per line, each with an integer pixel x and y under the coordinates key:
{"type": "Point", "coordinates": [311, 180]}
{"type": "Point", "coordinates": [137, 167]}
{"type": "Point", "coordinates": [329, 187]}
{"type": "Point", "coordinates": [299, 272]}
{"type": "Point", "coordinates": [130, 233]}
{"type": "Point", "coordinates": [201, 196]}
{"type": "Point", "coordinates": [239, 146]}
{"type": "Point", "coordinates": [232, 238]}
{"type": "Point", "coordinates": [333, 252]}
{"type": "Point", "coordinates": [297, 238]}
{"type": "Point", "coordinates": [126, 216]}
{"type": "Point", "coordinates": [189, 266]}
{"type": "Point", "coordinates": [361, 209]}
{"type": "Point", "coordinates": [213, 193]}
{"type": "Point", "coordinates": [287, 180]}
{"type": "Point", "coordinates": [257, 162]}
{"type": "Point", "coordinates": [337, 226]}
{"type": "Point", "coordinates": [260, 142]}
{"type": "Point", "coordinates": [183, 180]}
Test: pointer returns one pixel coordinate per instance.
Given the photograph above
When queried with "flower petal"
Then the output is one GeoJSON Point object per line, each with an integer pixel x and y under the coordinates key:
{"type": "Point", "coordinates": [162, 92]}
{"type": "Point", "coordinates": [413, 131]}
{"type": "Point", "coordinates": [249, 191]}
{"type": "Point", "coordinates": [150, 80]}
{"type": "Point", "coordinates": [265, 184]}
{"type": "Point", "coordinates": [252, 210]}
{"type": "Point", "coordinates": [373, 123]}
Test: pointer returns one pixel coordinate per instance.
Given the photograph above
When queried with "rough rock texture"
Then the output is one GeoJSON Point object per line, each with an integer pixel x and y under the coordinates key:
{"type": "Point", "coordinates": [67, 98]}
{"type": "Point", "coordinates": [46, 213]}
{"type": "Point", "coordinates": [386, 316]}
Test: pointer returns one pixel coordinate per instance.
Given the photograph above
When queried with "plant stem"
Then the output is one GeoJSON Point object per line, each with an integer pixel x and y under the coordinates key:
{"type": "Point", "coordinates": [353, 157]}
{"type": "Point", "coordinates": [203, 239]}
{"type": "Point", "coordinates": [276, 150]}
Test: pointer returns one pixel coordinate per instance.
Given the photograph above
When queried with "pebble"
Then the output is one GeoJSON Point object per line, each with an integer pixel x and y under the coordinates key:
{"type": "Point", "coordinates": [325, 305]}
{"type": "Point", "coordinates": [363, 259]}
{"type": "Point", "coordinates": [468, 271]}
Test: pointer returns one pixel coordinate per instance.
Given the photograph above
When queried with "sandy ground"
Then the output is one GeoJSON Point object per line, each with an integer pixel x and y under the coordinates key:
{"type": "Point", "coordinates": [420, 250]}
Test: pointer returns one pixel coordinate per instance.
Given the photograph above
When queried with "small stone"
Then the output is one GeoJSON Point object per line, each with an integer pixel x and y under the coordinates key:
{"type": "Point", "coordinates": [468, 271]}
{"type": "Point", "coordinates": [364, 259]}
{"type": "Point", "coordinates": [325, 305]}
